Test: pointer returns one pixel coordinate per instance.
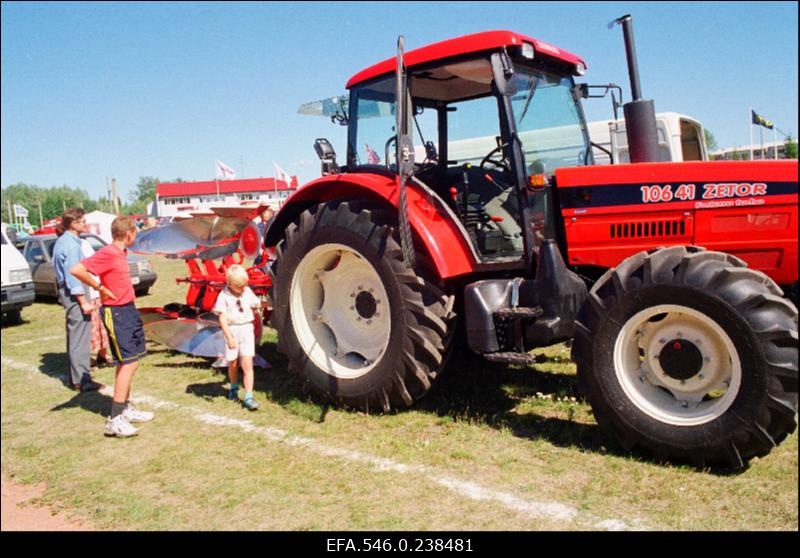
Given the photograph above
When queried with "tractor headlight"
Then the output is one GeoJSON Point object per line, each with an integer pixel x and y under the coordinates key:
{"type": "Point", "coordinates": [527, 51]}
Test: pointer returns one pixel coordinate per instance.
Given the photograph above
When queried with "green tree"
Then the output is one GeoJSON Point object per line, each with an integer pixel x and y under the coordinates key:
{"type": "Point", "coordinates": [145, 189]}
{"type": "Point", "coordinates": [791, 147]}
{"type": "Point", "coordinates": [53, 200]}
{"type": "Point", "coordinates": [711, 141]}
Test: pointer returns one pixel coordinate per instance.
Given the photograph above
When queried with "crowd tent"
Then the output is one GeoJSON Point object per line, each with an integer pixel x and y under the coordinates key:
{"type": "Point", "coordinates": [99, 223]}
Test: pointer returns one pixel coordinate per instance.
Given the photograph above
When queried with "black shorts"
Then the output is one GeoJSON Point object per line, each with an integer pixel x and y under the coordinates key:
{"type": "Point", "coordinates": [125, 333]}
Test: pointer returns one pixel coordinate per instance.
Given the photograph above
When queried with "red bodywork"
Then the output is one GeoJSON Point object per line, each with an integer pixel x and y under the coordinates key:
{"type": "Point", "coordinates": [429, 219]}
{"type": "Point", "coordinates": [745, 208]}
{"type": "Point", "coordinates": [207, 281]}
{"type": "Point", "coordinates": [477, 42]}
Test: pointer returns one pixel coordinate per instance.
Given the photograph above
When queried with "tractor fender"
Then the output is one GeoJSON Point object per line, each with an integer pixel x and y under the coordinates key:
{"type": "Point", "coordinates": [432, 221]}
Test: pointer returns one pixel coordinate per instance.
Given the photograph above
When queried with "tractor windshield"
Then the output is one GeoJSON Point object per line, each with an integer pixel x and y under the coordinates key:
{"type": "Point", "coordinates": [551, 126]}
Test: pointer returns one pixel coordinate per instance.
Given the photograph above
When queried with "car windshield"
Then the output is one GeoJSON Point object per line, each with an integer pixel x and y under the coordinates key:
{"type": "Point", "coordinates": [550, 126]}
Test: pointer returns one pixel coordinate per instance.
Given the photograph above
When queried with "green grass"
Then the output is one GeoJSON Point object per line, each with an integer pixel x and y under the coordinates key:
{"type": "Point", "coordinates": [516, 430]}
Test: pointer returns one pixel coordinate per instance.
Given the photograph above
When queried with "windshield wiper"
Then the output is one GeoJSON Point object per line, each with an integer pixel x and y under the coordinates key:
{"type": "Point", "coordinates": [532, 84]}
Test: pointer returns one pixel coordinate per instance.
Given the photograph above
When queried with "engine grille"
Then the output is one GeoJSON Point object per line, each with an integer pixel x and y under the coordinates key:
{"type": "Point", "coordinates": [648, 229]}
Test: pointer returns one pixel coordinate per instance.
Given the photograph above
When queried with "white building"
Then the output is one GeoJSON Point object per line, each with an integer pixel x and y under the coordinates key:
{"type": "Point", "coordinates": [180, 197]}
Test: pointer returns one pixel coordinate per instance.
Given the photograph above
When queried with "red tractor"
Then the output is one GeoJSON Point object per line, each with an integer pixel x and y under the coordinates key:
{"type": "Point", "coordinates": [470, 198]}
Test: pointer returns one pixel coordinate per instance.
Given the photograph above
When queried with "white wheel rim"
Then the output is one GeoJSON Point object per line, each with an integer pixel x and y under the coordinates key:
{"type": "Point", "coordinates": [340, 311]}
{"type": "Point", "coordinates": [690, 396]}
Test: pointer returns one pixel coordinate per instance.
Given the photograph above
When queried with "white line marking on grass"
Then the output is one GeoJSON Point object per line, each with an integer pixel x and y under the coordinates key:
{"type": "Point", "coordinates": [468, 489]}
{"type": "Point", "coordinates": [41, 339]}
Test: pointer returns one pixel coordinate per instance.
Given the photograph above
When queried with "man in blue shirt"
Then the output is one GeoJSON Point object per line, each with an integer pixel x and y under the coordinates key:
{"type": "Point", "coordinates": [72, 295]}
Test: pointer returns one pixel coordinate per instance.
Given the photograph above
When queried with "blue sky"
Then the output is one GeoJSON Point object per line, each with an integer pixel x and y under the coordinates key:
{"type": "Point", "coordinates": [124, 90]}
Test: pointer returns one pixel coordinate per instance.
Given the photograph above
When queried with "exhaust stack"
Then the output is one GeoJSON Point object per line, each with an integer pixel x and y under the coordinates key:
{"type": "Point", "coordinates": [640, 114]}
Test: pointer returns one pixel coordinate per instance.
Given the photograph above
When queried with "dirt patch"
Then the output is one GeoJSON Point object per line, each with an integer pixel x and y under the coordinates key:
{"type": "Point", "coordinates": [20, 514]}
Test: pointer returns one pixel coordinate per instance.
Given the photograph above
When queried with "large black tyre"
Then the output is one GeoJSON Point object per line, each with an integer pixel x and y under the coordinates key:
{"type": "Point", "coordinates": [690, 356]}
{"type": "Point", "coordinates": [360, 328]}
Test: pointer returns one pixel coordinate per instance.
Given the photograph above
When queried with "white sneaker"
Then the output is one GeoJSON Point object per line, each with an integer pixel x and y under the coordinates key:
{"type": "Point", "coordinates": [135, 415]}
{"type": "Point", "coordinates": [120, 427]}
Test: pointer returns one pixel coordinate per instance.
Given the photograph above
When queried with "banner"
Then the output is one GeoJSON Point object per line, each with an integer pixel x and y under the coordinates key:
{"type": "Point", "coordinates": [761, 121]}
{"type": "Point", "coordinates": [224, 171]}
{"type": "Point", "coordinates": [282, 176]}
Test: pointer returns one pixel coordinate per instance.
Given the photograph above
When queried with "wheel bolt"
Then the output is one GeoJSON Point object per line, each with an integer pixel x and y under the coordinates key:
{"type": "Point", "coordinates": [369, 322]}
{"type": "Point", "coordinates": [662, 340]}
{"type": "Point", "coordinates": [684, 404]}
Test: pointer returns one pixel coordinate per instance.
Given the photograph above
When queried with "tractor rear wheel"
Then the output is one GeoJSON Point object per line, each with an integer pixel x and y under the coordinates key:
{"type": "Point", "coordinates": [356, 324]}
{"type": "Point", "coordinates": [690, 356]}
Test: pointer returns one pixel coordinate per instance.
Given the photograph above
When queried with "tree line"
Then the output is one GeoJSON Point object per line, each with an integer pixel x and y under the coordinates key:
{"type": "Point", "coordinates": [53, 200]}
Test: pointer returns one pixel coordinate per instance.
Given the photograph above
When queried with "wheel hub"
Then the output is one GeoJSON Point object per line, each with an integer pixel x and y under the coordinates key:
{"type": "Point", "coordinates": [366, 305]}
{"type": "Point", "coordinates": [340, 310]}
{"type": "Point", "coordinates": [677, 365]}
{"type": "Point", "coordinates": [680, 359]}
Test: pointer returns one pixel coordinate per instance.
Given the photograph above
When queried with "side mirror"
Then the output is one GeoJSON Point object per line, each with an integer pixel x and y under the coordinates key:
{"type": "Point", "coordinates": [581, 91]}
{"type": "Point", "coordinates": [11, 232]}
{"type": "Point", "coordinates": [503, 74]}
{"type": "Point", "coordinates": [327, 156]}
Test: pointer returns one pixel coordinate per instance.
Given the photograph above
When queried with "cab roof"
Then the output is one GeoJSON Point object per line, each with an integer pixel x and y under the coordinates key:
{"type": "Point", "coordinates": [467, 44]}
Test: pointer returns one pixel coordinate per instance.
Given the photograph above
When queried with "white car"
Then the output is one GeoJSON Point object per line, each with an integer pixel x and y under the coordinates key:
{"type": "Point", "coordinates": [17, 283]}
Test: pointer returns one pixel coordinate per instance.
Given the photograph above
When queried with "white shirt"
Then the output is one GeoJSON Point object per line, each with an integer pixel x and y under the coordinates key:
{"type": "Point", "coordinates": [227, 304]}
{"type": "Point", "coordinates": [87, 250]}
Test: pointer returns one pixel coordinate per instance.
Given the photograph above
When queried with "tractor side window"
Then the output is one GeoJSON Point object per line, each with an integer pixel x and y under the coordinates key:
{"type": "Point", "coordinates": [376, 123]}
{"type": "Point", "coordinates": [549, 122]}
{"type": "Point", "coordinates": [472, 130]}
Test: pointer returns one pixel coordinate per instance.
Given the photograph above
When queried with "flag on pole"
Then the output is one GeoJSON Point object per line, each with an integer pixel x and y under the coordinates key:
{"type": "Point", "coordinates": [372, 157]}
{"type": "Point", "coordinates": [20, 211]}
{"type": "Point", "coordinates": [282, 176]}
{"type": "Point", "coordinates": [224, 171]}
{"type": "Point", "coordinates": [761, 121]}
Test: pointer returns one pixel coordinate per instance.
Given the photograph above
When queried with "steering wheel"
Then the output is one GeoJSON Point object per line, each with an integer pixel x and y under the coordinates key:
{"type": "Point", "coordinates": [501, 164]}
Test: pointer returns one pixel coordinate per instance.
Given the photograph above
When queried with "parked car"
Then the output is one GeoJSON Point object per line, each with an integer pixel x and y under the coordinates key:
{"type": "Point", "coordinates": [17, 287]}
{"type": "Point", "coordinates": [38, 251]}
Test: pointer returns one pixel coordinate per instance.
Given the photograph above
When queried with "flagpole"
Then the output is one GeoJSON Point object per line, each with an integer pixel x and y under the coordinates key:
{"type": "Point", "coordinates": [761, 135]}
{"type": "Point", "coordinates": [750, 119]}
{"type": "Point", "coordinates": [775, 139]}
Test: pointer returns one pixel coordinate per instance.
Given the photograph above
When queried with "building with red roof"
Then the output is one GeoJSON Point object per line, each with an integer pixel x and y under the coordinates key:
{"type": "Point", "coordinates": [176, 197]}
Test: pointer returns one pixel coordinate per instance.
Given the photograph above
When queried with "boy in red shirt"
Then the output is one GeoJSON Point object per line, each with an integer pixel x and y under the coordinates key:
{"type": "Point", "coordinates": [121, 319]}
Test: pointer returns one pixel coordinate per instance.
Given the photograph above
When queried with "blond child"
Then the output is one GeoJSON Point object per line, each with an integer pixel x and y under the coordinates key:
{"type": "Point", "coordinates": [237, 307]}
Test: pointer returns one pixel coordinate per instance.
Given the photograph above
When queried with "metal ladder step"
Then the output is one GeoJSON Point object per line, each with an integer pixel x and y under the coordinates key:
{"type": "Point", "coordinates": [514, 358]}
{"type": "Point", "coordinates": [525, 312]}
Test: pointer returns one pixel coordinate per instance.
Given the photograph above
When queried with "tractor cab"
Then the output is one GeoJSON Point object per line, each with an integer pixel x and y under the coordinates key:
{"type": "Point", "coordinates": [491, 116]}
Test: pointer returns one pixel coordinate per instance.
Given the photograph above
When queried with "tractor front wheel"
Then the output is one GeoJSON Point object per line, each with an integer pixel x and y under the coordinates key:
{"type": "Point", "coordinates": [690, 356]}
{"type": "Point", "coordinates": [357, 325]}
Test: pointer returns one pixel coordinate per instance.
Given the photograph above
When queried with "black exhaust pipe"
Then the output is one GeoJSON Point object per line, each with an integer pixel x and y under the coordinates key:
{"type": "Point", "coordinates": [640, 114]}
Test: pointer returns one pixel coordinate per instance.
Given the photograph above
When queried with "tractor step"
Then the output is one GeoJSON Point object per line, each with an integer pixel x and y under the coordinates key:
{"type": "Point", "coordinates": [524, 312]}
{"type": "Point", "coordinates": [514, 358]}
